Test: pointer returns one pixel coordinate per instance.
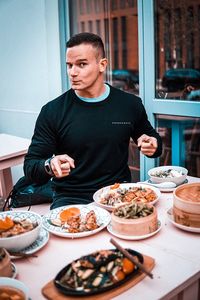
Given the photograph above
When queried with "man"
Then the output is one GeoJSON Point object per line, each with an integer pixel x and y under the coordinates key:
{"type": "Point", "coordinates": [81, 138]}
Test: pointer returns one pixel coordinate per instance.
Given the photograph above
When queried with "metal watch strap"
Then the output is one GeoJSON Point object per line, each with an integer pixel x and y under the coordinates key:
{"type": "Point", "coordinates": [47, 167]}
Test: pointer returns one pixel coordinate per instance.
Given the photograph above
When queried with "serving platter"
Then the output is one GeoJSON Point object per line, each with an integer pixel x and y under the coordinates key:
{"type": "Point", "coordinates": [180, 226]}
{"type": "Point", "coordinates": [103, 192]}
{"type": "Point", "coordinates": [102, 266]}
{"type": "Point", "coordinates": [103, 219]}
{"type": "Point", "coordinates": [133, 237]}
{"type": "Point", "coordinates": [51, 292]}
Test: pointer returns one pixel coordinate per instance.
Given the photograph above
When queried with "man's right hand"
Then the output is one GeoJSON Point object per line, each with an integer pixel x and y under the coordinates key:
{"type": "Point", "coordinates": [61, 165]}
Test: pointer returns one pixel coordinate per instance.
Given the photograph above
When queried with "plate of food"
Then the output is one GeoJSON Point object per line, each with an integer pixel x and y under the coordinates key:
{"type": "Point", "coordinates": [75, 221]}
{"type": "Point", "coordinates": [97, 272]}
{"type": "Point", "coordinates": [112, 196]}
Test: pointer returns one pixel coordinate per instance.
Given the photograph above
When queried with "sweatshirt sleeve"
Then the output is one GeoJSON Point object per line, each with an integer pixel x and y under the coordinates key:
{"type": "Point", "coordinates": [42, 147]}
{"type": "Point", "coordinates": [143, 126]}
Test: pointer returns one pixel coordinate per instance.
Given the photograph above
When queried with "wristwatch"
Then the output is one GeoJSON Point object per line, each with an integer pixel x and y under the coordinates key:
{"type": "Point", "coordinates": [47, 166]}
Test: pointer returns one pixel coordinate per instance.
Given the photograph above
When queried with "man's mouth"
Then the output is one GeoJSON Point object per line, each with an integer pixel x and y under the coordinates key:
{"type": "Point", "coordinates": [75, 82]}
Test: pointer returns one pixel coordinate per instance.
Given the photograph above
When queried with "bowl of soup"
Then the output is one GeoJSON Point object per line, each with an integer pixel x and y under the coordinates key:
{"type": "Point", "coordinates": [19, 229]}
{"type": "Point", "coordinates": [13, 289]}
{"type": "Point", "coordinates": [175, 174]}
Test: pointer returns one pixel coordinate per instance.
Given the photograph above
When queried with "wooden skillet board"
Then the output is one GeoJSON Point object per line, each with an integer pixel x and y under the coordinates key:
{"type": "Point", "coordinates": [50, 291]}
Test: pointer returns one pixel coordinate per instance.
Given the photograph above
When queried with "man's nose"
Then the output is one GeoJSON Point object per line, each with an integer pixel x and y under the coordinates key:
{"type": "Point", "coordinates": [74, 71]}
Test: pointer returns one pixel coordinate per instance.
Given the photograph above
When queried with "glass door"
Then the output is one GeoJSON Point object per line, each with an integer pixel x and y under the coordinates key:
{"type": "Point", "coordinates": [165, 31]}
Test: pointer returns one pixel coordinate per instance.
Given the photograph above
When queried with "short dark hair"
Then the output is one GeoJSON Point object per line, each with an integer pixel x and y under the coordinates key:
{"type": "Point", "coordinates": [87, 38]}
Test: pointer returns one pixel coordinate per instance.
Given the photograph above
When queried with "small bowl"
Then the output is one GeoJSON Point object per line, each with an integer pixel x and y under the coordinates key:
{"type": "Point", "coordinates": [177, 180]}
{"type": "Point", "coordinates": [16, 284]}
{"type": "Point", "coordinates": [21, 241]}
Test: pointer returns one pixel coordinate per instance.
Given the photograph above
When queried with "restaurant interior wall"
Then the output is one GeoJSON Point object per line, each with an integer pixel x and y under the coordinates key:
{"type": "Point", "coordinates": [30, 73]}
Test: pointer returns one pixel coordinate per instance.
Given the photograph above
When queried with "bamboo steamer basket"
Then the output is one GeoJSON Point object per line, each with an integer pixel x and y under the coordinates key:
{"type": "Point", "coordinates": [186, 204]}
{"type": "Point", "coordinates": [135, 227]}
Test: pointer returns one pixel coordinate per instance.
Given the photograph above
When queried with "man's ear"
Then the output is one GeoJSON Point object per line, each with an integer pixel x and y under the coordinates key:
{"type": "Point", "coordinates": [103, 64]}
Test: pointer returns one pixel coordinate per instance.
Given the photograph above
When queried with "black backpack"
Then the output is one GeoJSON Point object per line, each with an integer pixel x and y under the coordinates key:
{"type": "Point", "coordinates": [26, 193]}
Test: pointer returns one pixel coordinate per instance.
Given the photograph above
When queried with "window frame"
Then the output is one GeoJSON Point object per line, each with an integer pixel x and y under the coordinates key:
{"type": "Point", "coordinates": [146, 35]}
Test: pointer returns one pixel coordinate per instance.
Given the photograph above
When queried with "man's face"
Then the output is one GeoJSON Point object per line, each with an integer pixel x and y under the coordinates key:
{"type": "Point", "coordinates": [84, 66]}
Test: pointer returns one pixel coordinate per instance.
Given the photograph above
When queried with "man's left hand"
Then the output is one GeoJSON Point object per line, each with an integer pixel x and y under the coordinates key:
{"type": "Point", "coordinates": [148, 144]}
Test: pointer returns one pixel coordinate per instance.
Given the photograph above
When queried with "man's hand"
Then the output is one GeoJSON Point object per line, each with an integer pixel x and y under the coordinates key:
{"type": "Point", "coordinates": [61, 165]}
{"type": "Point", "coordinates": [148, 144]}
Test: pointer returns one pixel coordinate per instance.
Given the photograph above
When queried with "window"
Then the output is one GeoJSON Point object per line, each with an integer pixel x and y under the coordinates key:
{"type": "Point", "coordinates": [198, 18]}
{"type": "Point", "coordinates": [177, 50]}
{"type": "Point", "coordinates": [122, 4]}
{"type": "Point", "coordinates": [81, 6]}
{"type": "Point", "coordinates": [98, 27]}
{"type": "Point", "coordinates": [124, 42]}
{"type": "Point", "coordinates": [126, 3]}
{"type": "Point", "coordinates": [167, 37]}
{"type": "Point", "coordinates": [115, 43]}
{"type": "Point", "coordinates": [97, 5]}
{"type": "Point", "coordinates": [184, 132]}
{"type": "Point", "coordinates": [82, 26]}
{"type": "Point", "coordinates": [177, 70]}
{"type": "Point", "coordinates": [113, 4]}
{"type": "Point", "coordinates": [107, 36]}
{"type": "Point", "coordinates": [90, 26]}
{"type": "Point", "coordinates": [190, 38]}
{"type": "Point", "coordinates": [130, 3]}
{"type": "Point", "coordinates": [89, 6]}
{"type": "Point", "coordinates": [178, 35]}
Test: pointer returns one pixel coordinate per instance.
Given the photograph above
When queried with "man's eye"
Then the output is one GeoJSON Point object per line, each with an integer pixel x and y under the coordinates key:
{"type": "Point", "coordinates": [82, 65]}
{"type": "Point", "coordinates": [69, 66]}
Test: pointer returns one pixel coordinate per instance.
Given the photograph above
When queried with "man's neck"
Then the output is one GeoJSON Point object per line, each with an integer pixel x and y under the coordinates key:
{"type": "Point", "coordinates": [96, 99]}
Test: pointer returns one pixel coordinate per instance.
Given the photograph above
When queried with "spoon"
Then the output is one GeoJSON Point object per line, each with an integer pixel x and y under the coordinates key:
{"type": "Point", "coordinates": [165, 185]}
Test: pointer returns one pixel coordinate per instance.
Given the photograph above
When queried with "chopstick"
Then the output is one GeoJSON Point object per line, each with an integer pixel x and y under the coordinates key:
{"type": "Point", "coordinates": [131, 258]}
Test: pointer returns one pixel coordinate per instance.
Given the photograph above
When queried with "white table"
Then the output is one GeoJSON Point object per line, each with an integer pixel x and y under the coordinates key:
{"type": "Point", "coordinates": [176, 253]}
{"type": "Point", "coordinates": [12, 152]}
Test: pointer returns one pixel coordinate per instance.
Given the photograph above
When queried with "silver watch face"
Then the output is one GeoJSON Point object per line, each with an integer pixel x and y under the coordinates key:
{"type": "Point", "coordinates": [48, 167]}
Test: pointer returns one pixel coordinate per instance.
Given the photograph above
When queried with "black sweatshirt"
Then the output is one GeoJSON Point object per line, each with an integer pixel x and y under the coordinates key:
{"type": "Point", "coordinates": [96, 135]}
